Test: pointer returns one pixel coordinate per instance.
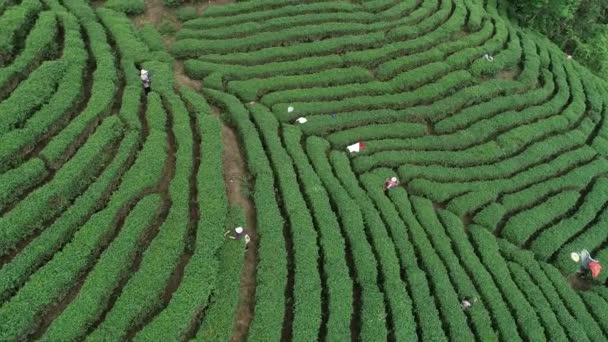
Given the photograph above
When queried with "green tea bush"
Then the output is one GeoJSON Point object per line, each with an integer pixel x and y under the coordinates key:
{"type": "Point", "coordinates": [167, 27]}
{"type": "Point", "coordinates": [130, 7]}
{"type": "Point", "coordinates": [186, 13]}
{"type": "Point", "coordinates": [172, 3]}
{"type": "Point", "coordinates": [55, 196]}
{"type": "Point", "coordinates": [271, 271]}
{"type": "Point", "coordinates": [113, 205]}
{"type": "Point", "coordinates": [39, 45]}
{"type": "Point", "coordinates": [15, 273]}
{"type": "Point", "coordinates": [13, 23]}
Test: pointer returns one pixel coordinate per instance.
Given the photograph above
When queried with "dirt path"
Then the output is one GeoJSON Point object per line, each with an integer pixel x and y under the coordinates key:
{"type": "Point", "coordinates": [153, 14]}
{"type": "Point", "coordinates": [235, 171]}
{"type": "Point", "coordinates": [236, 180]}
{"type": "Point", "coordinates": [182, 80]}
{"type": "Point", "coordinates": [156, 11]}
{"type": "Point", "coordinates": [205, 4]}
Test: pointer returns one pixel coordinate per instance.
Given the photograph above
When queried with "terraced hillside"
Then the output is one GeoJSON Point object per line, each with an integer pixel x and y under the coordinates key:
{"type": "Point", "coordinates": [113, 204]}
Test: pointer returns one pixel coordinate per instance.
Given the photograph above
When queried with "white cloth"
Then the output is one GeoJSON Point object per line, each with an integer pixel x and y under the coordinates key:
{"type": "Point", "coordinates": [289, 109]}
{"type": "Point", "coordinates": [354, 147]}
{"type": "Point", "coordinates": [145, 79]}
{"type": "Point", "coordinates": [301, 120]}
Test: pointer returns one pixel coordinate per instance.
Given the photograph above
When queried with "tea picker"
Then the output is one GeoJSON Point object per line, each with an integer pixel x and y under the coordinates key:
{"type": "Point", "coordinates": [588, 265]}
{"type": "Point", "coordinates": [145, 79]}
{"type": "Point", "coordinates": [237, 234]}
{"type": "Point", "coordinates": [467, 303]}
{"type": "Point", "coordinates": [390, 183]}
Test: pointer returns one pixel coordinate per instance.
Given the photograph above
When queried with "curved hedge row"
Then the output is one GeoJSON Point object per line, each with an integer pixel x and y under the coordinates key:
{"type": "Point", "coordinates": [112, 204]}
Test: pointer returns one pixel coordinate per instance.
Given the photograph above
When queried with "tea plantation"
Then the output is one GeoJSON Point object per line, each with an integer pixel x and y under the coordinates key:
{"type": "Point", "coordinates": [113, 203]}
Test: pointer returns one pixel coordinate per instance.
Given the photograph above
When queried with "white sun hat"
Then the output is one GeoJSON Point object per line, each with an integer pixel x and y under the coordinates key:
{"type": "Point", "coordinates": [575, 257]}
{"type": "Point", "coordinates": [239, 230]}
{"type": "Point", "coordinates": [301, 120]}
{"type": "Point", "coordinates": [144, 71]}
{"type": "Point", "coordinates": [394, 179]}
{"type": "Point", "coordinates": [289, 109]}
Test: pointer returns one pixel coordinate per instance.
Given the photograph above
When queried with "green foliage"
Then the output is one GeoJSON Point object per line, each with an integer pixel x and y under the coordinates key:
{"type": "Point", "coordinates": [13, 23]}
{"type": "Point", "coordinates": [550, 240]}
{"type": "Point", "coordinates": [564, 301]}
{"type": "Point", "coordinates": [40, 44]}
{"type": "Point", "coordinates": [21, 312]}
{"type": "Point", "coordinates": [112, 266]}
{"type": "Point", "coordinates": [112, 203]}
{"type": "Point", "coordinates": [143, 292]}
{"type": "Point", "coordinates": [307, 282]}
{"type": "Point", "coordinates": [167, 27]}
{"type": "Point", "coordinates": [372, 321]}
{"type": "Point", "coordinates": [14, 183]}
{"type": "Point", "coordinates": [185, 13]}
{"type": "Point", "coordinates": [578, 27]}
{"type": "Point", "coordinates": [130, 7]}
{"type": "Point", "coordinates": [214, 266]}
{"type": "Point", "coordinates": [15, 273]}
{"type": "Point", "coordinates": [31, 94]}
{"type": "Point", "coordinates": [339, 283]}
{"type": "Point", "coordinates": [55, 196]}
{"type": "Point", "coordinates": [523, 225]}
{"type": "Point", "coordinates": [271, 274]}
{"type": "Point", "coordinates": [172, 3]}
{"type": "Point", "coordinates": [151, 37]}
{"type": "Point", "coordinates": [47, 118]}
{"type": "Point", "coordinates": [526, 317]}
{"type": "Point", "coordinates": [103, 89]}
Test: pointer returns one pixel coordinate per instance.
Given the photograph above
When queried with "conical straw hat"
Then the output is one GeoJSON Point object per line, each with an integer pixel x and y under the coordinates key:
{"type": "Point", "coordinates": [575, 257]}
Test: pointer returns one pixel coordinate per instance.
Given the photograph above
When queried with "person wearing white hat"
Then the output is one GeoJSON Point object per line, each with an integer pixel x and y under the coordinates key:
{"type": "Point", "coordinates": [390, 183]}
{"type": "Point", "coordinates": [237, 234]}
{"type": "Point", "coordinates": [588, 265]}
{"type": "Point", "coordinates": [145, 79]}
{"type": "Point", "coordinates": [467, 302]}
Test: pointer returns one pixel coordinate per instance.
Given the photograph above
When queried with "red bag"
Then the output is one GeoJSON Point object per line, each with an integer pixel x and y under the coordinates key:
{"type": "Point", "coordinates": [595, 268]}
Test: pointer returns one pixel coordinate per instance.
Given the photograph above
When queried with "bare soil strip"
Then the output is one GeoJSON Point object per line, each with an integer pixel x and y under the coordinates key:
{"type": "Point", "coordinates": [235, 178]}
{"type": "Point", "coordinates": [182, 79]}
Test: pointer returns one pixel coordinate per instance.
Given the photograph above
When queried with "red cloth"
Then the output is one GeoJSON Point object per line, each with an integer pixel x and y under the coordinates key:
{"type": "Point", "coordinates": [595, 268]}
{"type": "Point", "coordinates": [361, 145]}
